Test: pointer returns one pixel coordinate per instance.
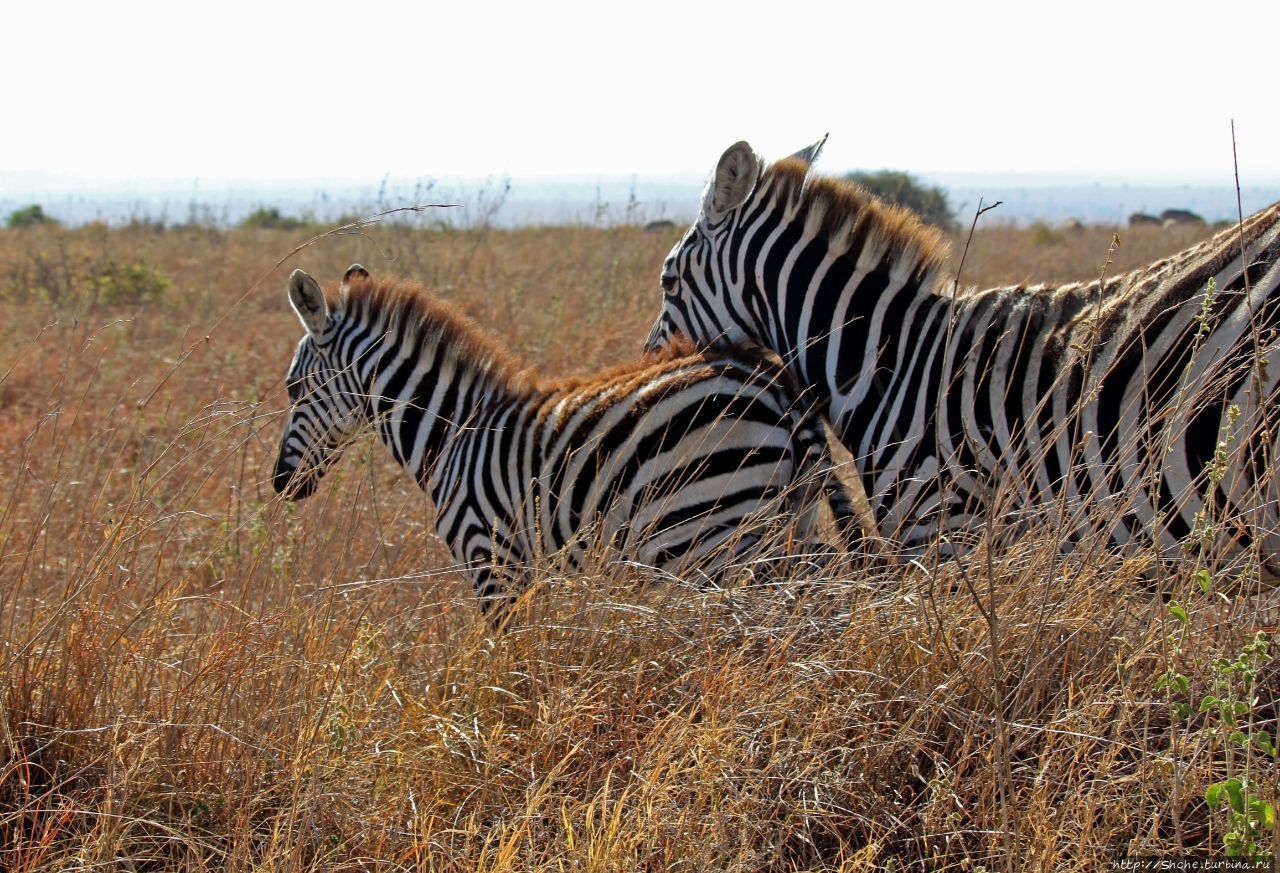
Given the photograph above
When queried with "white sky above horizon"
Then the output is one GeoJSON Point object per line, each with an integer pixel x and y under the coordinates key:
{"type": "Point", "coordinates": [288, 90]}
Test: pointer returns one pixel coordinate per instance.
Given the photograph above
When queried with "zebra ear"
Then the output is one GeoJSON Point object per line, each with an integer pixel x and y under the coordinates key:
{"type": "Point", "coordinates": [810, 153]}
{"type": "Point", "coordinates": [355, 271]}
{"type": "Point", "coordinates": [733, 181]}
{"type": "Point", "coordinates": [308, 301]}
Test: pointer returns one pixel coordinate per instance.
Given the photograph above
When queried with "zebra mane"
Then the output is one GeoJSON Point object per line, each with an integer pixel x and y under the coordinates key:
{"type": "Point", "coordinates": [416, 316]}
{"type": "Point", "coordinates": [679, 351]}
{"type": "Point", "coordinates": [412, 313]}
{"type": "Point", "coordinates": [851, 219]}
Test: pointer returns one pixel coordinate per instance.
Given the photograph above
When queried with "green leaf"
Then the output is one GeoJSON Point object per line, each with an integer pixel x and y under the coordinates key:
{"type": "Point", "coordinates": [1205, 580]}
{"type": "Point", "coordinates": [1235, 794]}
{"type": "Point", "coordinates": [1240, 738]}
{"type": "Point", "coordinates": [1181, 683]}
{"type": "Point", "coordinates": [1213, 794]}
{"type": "Point", "coordinates": [1208, 703]}
{"type": "Point", "coordinates": [1262, 739]}
{"type": "Point", "coordinates": [1178, 612]}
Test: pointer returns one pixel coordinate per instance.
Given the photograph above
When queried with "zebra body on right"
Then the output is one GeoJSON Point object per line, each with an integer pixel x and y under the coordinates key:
{"type": "Point", "coordinates": [1140, 406]}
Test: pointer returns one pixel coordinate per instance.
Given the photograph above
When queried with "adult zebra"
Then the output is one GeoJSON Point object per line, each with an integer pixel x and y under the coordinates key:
{"type": "Point", "coordinates": [1137, 406]}
{"type": "Point", "coordinates": [675, 460]}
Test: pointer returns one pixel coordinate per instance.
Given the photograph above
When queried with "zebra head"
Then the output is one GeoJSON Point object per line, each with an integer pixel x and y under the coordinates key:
{"type": "Point", "coordinates": [328, 404]}
{"type": "Point", "coordinates": [701, 288]}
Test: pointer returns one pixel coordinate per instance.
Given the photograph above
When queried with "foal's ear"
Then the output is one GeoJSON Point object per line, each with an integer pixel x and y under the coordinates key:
{"type": "Point", "coordinates": [355, 271]}
{"type": "Point", "coordinates": [308, 301]}
{"type": "Point", "coordinates": [733, 181]}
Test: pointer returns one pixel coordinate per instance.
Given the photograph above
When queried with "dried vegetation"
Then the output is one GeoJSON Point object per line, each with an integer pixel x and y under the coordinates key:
{"type": "Point", "coordinates": [196, 675]}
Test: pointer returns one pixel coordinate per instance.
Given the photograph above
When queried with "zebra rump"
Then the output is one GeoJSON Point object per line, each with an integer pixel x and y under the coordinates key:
{"type": "Point", "coordinates": [673, 461]}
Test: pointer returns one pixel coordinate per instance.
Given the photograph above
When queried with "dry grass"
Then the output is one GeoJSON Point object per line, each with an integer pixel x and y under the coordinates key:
{"type": "Point", "coordinates": [198, 676]}
{"type": "Point", "coordinates": [1003, 255]}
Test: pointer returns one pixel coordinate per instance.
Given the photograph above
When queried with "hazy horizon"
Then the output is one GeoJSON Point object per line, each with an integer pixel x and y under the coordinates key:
{"type": "Point", "coordinates": [599, 199]}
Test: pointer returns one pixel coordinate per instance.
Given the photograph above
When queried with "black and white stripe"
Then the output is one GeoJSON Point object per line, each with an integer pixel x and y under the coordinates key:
{"type": "Point", "coordinates": [671, 460]}
{"type": "Point", "coordinates": [1103, 403]}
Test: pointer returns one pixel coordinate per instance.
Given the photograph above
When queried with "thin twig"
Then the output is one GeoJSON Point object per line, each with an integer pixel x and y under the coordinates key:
{"type": "Point", "coordinates": [1235, 166]}
{"type": "Point", "coordinates": [944, 383]}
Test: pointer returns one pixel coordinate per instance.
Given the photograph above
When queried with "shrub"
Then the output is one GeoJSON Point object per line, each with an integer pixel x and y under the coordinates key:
{"type": "Point", "coordinates": [1041, 234]}
{"type": "Point", "coordinates": [903, 189]}
{"type": "Point", "coordinates": [128, 284]}
{"type": "Point", "coordinates": [269, 218]}
{"type": "Point", "coordinates": [63, 279]}
{"type": "Point", "coordinates": [29, 216]}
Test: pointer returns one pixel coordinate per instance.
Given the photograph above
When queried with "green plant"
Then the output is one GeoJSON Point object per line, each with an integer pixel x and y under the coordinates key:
{"type": "Point", "coordinates": [904, 189]}
{"type": "Point", "coordinates": [128, 284]}
{"type": "Point", "coordinates": [29, 216]}
{"type": "Point", "coordinates": [1227, 711]}
{"type": "Point", "coordinates": [1223, 719]}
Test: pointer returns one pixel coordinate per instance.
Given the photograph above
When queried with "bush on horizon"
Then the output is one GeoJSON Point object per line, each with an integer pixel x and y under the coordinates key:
{"type": "Point", "coordinates": [903, 189]}
{"type": "Point", "coordinates": [269, 218]}
{"type": "Point", "coordinates": [29, 216]}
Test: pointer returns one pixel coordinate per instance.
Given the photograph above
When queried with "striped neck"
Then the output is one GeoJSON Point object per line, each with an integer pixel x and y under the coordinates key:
{"type": "Point", "coordinates": [831, 276]}
{"type": "Point", "coordinates": [427, 371]}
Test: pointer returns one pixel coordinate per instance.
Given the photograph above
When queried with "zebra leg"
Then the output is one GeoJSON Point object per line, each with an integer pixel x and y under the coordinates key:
{"type": "Point", "coordinates": [819, 482]}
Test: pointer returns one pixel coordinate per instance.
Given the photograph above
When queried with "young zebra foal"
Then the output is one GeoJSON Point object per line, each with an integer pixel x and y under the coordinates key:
{"type": "Point", "coordinates": [670, 460]}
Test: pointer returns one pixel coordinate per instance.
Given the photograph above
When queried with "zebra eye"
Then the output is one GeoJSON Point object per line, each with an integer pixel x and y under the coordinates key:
{"type": "Point", "coordinates": [668, 282]}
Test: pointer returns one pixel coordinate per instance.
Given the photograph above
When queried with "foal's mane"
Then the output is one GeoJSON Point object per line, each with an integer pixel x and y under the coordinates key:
{"type": "Point", "coordinates": [417, 316]}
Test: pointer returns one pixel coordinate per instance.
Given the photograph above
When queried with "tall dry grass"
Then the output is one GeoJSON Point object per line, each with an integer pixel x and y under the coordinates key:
{"type": "Point", "coordinates": [197, 675]}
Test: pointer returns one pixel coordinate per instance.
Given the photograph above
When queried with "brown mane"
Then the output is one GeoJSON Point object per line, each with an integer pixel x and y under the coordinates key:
{"type": "Point", "coordinates": [850, 218]}
{"type": "Point", "coordinates": [417, 314]}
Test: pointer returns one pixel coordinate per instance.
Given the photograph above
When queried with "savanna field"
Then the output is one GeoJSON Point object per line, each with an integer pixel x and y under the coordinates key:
{"type": "Point", "coordinates": [198, 675]}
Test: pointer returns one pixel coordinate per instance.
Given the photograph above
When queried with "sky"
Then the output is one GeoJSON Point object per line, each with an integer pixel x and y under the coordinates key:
{"type": "Point", "coordinates": [265, 90]}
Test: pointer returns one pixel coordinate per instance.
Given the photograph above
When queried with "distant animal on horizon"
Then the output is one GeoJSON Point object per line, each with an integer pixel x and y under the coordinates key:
{"type": "Point", "coordinates": [1142, 219]}
{"type": "Point", "coordinates": [1139, 407]}
{"type": "Point", "coordinates": [676, 460]}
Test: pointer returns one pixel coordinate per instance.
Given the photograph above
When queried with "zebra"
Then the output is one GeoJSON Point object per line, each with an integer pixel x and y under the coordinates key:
{"type": "Point", "coordinates": [673, 459]}
{"type": "Point", "coordinates": [1138, 407]}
